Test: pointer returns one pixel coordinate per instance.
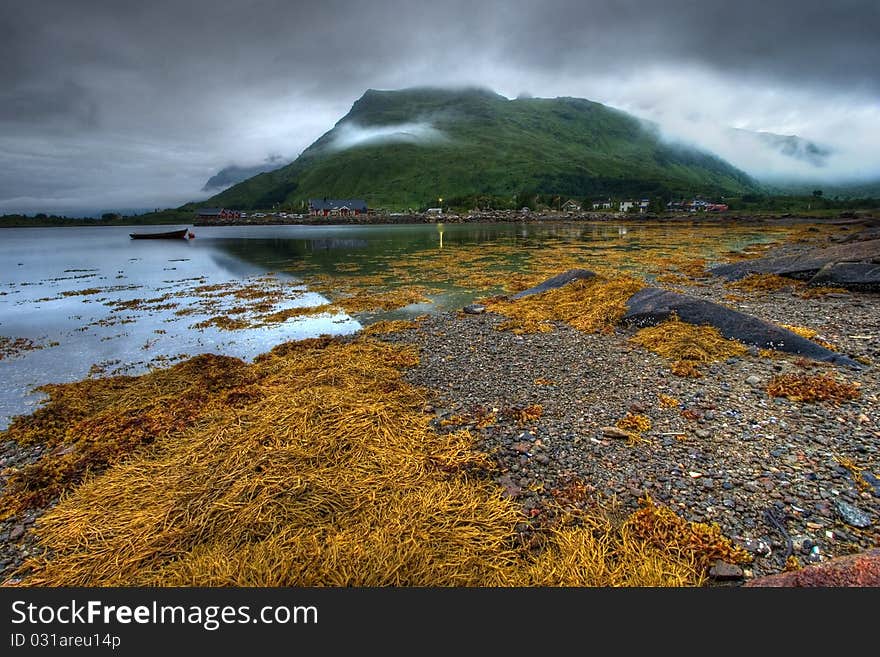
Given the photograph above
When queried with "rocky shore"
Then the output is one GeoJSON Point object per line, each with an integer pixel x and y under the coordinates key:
{"type": "Point", "coordinates": [780, 477]}
{"type": "Point", "coordinates": [787, 480]}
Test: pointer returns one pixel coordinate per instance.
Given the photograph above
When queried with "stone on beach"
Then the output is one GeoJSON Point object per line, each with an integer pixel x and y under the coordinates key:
{"type": "Point", "coordinates": [556, 282]}
{"type": "Point", "coordinates": [853, 570]}
{"type": "Point", "coordinates": [651, 306]}
{"type": "Point", "coordinates": [853, 265]}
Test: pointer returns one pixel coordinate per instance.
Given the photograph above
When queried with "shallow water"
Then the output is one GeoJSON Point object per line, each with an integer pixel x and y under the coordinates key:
{"type": "Point", "coordinates": [62, 288]}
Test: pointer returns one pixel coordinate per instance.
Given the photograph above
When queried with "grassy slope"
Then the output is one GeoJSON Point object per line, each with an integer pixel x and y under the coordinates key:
{"type": "Point", "coordinates": [497, 147]}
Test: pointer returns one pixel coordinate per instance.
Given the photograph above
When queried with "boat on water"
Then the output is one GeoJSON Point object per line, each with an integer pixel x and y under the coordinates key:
{"type": "Point", "coordinates": [168, 235]}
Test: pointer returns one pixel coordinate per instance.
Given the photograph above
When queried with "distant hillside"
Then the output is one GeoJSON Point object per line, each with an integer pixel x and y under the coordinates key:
{"type": "Point", "coordinates": [867, 189]}
{"type": "Point", "coordinates": [400, 149]}
{"type": "Point", "coordinates": [232, 174]}
{"type": "Point", "coordinates": [790, 146]}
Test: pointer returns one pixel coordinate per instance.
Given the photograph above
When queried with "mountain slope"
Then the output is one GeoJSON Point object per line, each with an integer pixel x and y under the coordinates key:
{"type": "Point", "coordinates": [407, 148]}
{"type": "Point", "coordinates": [228, 176]}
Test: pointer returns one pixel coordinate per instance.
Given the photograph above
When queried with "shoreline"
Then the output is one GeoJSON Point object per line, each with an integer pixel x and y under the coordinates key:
{"type": "Point", "coordinates": [544, 218]}
{"type": "Point", "coordinates": [728, 453]}
{"type": "Point", "coordinates": [503, 216]}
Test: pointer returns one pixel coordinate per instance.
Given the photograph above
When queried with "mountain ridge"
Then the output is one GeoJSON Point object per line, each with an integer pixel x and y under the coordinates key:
{"type": "Point", "coordinates": [407, 148]}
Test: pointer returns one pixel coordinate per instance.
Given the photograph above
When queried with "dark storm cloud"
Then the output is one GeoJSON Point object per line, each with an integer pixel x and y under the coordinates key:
{"type": "Point", "coordinates": [829, 44]}
{"type": "Point", "coordinates": [176, 90]}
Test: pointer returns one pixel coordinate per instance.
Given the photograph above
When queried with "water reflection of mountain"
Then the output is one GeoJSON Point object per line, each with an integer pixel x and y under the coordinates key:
{"type": "Point", "coordinates": [327, 244]}
{"type": "Point", "coordinates": [370, 247]}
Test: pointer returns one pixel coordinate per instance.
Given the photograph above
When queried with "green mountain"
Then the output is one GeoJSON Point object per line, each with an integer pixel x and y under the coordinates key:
{"type": "Point", "coordinates": [407, 148]}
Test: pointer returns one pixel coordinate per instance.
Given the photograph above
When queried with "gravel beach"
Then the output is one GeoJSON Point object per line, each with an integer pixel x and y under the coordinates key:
{"type": "Point", "coordinates": [767, 470]}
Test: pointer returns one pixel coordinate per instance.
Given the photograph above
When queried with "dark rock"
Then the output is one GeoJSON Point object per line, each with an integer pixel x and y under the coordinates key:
{"type": "Point", "coordinates": [16, 532]}
{"type": "Point", "coordinates": [861, 569]}
{"type": "Point", "coordinates": [864, 276]}
{"type": "Point", "coordinates": [852, 515]}
{"type": "Point", "coordinates": [723, 571]}
{"type": "Point", "coordinates": [873, 481]}
{"type": "Point", "coordinates": [556, 282]}
{"type": "Point", "coordinates": [474, 309]}
{"type": "Point", "coordinates": [803, 266]}
{"type": "Point", "coordinates": [756, 546]}
{"type": "Point", "coordinates": [650, 306]}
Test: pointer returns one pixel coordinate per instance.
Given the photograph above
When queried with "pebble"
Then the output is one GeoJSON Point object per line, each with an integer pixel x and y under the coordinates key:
{"type": "Point", "coordinates": [852, 515]}
{"type": "Point", "coordinates": [723, 571]}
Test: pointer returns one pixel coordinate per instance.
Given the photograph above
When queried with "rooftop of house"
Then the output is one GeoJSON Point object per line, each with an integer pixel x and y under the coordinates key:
{"type": "Point", "coordinates": [337, 204]}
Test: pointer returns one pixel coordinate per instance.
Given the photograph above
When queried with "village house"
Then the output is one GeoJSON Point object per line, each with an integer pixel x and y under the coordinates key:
{"type": "Point", "coordinates": [626, 206]}
{"type": "Point", "coordinates": [717, 207]}
{"type": "Point", "coordinates": [602, 205]}
{"type": "Point", "coordinates": [218, 214]}
{"type": "Point", "coordinates": [571, 206]}
{"type": "Point", "coordinates": [696, 205]}
{"type": "Point", "coordinates": [336, 207]}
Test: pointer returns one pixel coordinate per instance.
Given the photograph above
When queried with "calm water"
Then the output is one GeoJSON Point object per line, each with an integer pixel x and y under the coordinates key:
{"type": "Point", "coordinates": [61, 288]}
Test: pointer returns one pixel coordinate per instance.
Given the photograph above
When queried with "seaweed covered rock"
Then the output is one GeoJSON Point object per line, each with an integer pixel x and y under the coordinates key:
{"type": "Point", "coordinates": [556, 282]}
{"type": "Point", "coordinates": [806, 265]}
{"type": "Point", "coordinates": [651, 306]}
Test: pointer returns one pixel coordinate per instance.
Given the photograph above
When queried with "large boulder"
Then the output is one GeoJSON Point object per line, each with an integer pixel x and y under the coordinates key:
{"type": "Point", "coordinates": [651, 305]}
{"type": "Point", "coordinates": [806, 265]}
{"type": "Point", "coordinates": [557, 281]}
{"type": "Point", "coordinates": [863, 276]}
{"type": "Point", "coordinates": [861, 569]}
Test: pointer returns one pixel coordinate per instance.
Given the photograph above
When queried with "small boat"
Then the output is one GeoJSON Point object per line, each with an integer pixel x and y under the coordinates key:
{"type": "Point", "coordinates": [170, 235]}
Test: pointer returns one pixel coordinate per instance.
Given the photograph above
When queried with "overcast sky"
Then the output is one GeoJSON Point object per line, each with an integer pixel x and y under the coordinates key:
{"type": "Point", "coordinates": [116, 104]}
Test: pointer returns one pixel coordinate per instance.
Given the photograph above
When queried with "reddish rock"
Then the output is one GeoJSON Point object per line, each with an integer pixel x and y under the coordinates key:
{"type": "Point", "coordinates": [862, 569]}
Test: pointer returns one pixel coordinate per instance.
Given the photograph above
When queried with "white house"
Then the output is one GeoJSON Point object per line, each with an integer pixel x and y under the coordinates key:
{"type": "Point", "coordinates": [626, 206]}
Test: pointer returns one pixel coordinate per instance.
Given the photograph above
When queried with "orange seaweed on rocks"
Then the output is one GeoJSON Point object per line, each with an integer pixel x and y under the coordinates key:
{"type": "Point", "coordinates": [14, 346]}
{"type": "Point", "coordinates": [666, 401]}
{"type": "Point", "coordinates": [819, 291]}
{"type": "Point", "coordinates": [765, 283]}
{"type": "Point", "coordinates": [636, 424]}
{"type": "Point", "coordinates": [700, 543]}
{"type": "Point", "coordinates": [812, 388]}
{"type": "Point", "coordinates": [325, 471]}
{"type": "Point", "coordinates": [590, 305]}
{"type": "Point", "coordinates": [332, 477]}
{"type": "Point", "coordinates": [687, 345]}
{"type": "Point", "coordinates": [652, 546]}
{"type": "Point", "coordinates": [809, 334]}
{"type": "Point", "coordinates": [856, 472]}
{"type": "Point", "coordinates": [89, 425]}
